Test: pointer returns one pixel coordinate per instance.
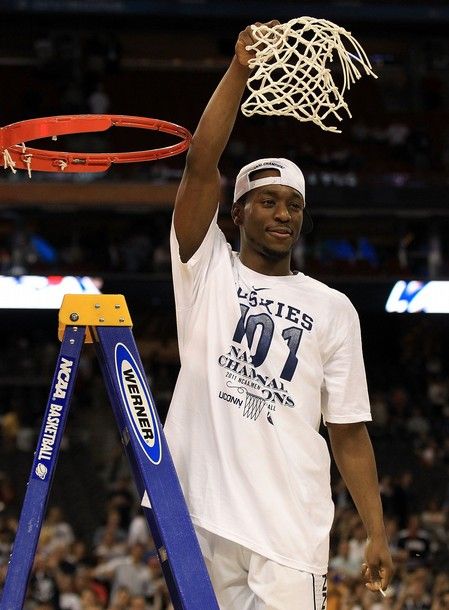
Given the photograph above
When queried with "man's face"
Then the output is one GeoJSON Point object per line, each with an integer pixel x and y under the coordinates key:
{"type": "Point", "coordinates": [271, 218]}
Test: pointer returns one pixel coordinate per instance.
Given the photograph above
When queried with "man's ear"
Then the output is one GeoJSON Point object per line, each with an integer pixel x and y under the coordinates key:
{"type": "Point", "coordinates": [237, 213]}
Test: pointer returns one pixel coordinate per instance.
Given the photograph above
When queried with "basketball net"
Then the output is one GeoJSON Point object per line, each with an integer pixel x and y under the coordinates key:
{"type": "Point", "coordinates": [292, 75]}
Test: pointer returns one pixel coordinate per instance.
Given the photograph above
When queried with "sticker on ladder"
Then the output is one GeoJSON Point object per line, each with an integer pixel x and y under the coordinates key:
{"type": "Point", "coordinates": [145, 500]}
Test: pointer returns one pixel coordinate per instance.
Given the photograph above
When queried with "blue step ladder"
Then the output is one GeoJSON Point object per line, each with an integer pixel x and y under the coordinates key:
{"type": "Point", "coordinates": [104, 320]}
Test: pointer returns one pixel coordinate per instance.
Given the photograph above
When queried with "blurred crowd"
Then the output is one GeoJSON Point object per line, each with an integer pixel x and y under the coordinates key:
{"type": "Point", "coordinates": [95, 550]}
{"type": "Point", "coordinates": [138, 243]}
{"type": "Point", "coordinates": [396, 142]}
{"type": "Point", "coordinates": [118, 570]}
{"type": "Point", "coordinates": [105, 559]}
{"type": "Point", "coordinates": [398, 135]}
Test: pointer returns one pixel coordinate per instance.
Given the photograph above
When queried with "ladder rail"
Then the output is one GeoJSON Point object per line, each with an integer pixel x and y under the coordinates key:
{"type": "Point", "coordinates": [42, 470]}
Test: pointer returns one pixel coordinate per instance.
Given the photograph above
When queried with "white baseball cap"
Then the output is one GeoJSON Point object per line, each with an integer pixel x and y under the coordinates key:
{"type": "Point", "coordinates": [289, 175]}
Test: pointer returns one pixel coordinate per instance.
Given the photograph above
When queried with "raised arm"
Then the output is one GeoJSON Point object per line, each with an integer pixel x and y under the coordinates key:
{"type": "Point", "coordinates": [353, 454]}
{"type": "Point", "coordinates": [199, 190]}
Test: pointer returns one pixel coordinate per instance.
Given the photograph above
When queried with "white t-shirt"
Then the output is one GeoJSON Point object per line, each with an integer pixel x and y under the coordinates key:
{"type": "Point", "coordinates": [263, 358]}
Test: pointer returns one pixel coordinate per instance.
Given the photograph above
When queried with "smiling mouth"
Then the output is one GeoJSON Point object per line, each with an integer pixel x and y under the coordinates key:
{"type": "Point", "coordinates": [281, 232]}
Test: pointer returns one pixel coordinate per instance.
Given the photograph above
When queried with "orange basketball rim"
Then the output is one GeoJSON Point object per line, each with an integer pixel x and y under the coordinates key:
{"type": "Point", "coordinates": [17, 155]}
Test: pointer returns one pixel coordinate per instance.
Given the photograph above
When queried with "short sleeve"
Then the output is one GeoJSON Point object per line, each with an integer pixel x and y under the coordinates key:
{"type": "Point", "coordinates": [189, 277]}
{"type": "Point", "coordinates": [345, 396]}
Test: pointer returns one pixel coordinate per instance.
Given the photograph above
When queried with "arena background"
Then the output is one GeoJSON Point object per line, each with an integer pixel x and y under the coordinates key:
{"type": "Point", "coordinates": [378, 195]}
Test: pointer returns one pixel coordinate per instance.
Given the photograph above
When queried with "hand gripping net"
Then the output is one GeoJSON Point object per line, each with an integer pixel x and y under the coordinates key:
{"type": "Point", "coordinates": [292, 76]}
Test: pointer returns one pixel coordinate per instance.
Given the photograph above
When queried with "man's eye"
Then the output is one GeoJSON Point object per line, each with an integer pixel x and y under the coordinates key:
{"type": "Point", "coordinates": [268, 201]}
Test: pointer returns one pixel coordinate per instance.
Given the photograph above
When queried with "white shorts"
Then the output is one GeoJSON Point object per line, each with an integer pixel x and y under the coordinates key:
{"type": "Point", "coordinates": [244, 580]}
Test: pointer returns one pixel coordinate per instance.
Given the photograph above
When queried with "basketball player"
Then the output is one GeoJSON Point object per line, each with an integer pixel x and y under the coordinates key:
{"type": "Point", "coordinates": [265, 353]}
